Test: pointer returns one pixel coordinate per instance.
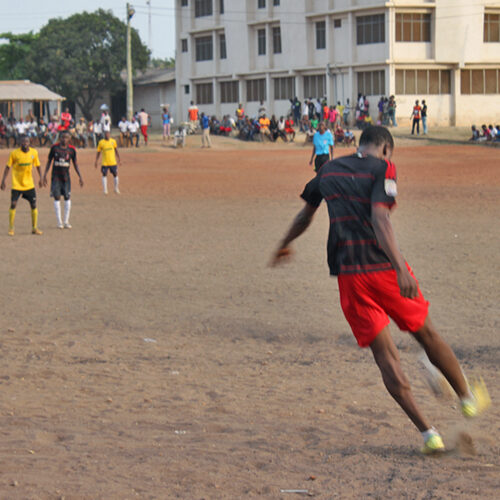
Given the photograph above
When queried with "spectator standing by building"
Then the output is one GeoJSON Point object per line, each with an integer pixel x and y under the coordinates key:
{"type": "Point", "coordinates": [415, 116]}
{"type": "Point", "coordinates": [392, 110]}
{"type": "Point", "coordinates": [165, 117]}
{"type": "Point", "coordinates": [105, 121]}
{"type": "Point", "coordinates": [424, 117]}
{"type": "Point", "coordinates": [193, 116]}
{"type": "Point", "coordinates": [205, 131]}
{"type": "Point", "coordinates": [144, 122]}
{"type": "Point", "coordinates": [296, 109]}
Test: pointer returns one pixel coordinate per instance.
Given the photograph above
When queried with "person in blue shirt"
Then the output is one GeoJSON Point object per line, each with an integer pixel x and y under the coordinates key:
{"type": "Point", "coordinates": [205, 131]}
{"type": "Point", "coordinates": [165, 116]}
{"type": "Point", "coordinates": [322, 147]}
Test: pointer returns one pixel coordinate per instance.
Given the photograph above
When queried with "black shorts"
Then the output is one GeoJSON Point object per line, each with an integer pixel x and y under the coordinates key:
{"type": "Point", "coordinates": [60, 186]}
{"type": "Point", "coordinates": [113, 170]}
{"type": "Point", "coordinates": [319, 161]}
{"type": "Point", "coordinates": [29, 195]}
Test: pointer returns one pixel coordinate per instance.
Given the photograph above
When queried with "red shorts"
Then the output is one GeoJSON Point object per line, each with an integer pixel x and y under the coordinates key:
{"type": "Point", "coordinates": [144, 131]}
{"type": "Point", "coordinates": [369, 299]}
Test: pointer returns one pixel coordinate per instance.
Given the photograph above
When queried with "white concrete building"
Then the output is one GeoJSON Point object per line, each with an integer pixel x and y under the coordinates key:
{"type": "Point", "coordinates": [445, 51]}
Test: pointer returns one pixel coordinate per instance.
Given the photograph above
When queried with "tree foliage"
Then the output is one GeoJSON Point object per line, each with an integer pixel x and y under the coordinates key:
{"type": "Point", "coordinates": [84, 55]}
{"type": "Point", "coordinates": [167, 63]}
{"type": "Point", "coordinates": [13, 55]}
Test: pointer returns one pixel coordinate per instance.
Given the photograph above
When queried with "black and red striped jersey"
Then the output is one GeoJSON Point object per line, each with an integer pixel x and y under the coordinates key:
{"type": "Point", "coordinates": [62, 157]}
{"type": "Point", "coordinates": [350, 185]}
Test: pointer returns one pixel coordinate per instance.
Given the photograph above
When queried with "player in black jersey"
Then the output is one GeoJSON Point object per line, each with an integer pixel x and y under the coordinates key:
{"type": "Point", "coordinates": [62, 154]}
{"type": "Point", "coordinates": [375, 282]}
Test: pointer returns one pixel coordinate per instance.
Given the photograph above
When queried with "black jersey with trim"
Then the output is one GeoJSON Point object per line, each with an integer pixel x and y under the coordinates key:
{"type": "Point", "coordinates": [350, 185]}
{"type": "Point", "coordinates": [62, 157]}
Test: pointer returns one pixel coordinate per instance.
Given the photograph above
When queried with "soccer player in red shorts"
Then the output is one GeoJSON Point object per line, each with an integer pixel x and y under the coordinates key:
{"type": "Point", "coordinates": [375, 282]}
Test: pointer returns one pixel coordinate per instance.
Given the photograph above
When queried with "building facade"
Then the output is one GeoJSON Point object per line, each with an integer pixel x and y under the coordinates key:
{"type": "Point", "coordinates": [444, 51]}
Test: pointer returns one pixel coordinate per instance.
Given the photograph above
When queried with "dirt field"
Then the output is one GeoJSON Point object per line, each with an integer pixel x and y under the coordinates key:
{"type": "Point", "coordinates": [150, 353]}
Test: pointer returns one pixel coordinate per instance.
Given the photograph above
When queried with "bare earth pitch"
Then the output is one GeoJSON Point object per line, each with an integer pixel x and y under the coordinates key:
{"type": "Point", "coordinates": [150, 353]}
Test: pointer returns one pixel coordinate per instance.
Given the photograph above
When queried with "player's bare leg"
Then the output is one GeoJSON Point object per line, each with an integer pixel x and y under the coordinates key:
{"type": "Point", "coordinates": [442, 357]}
{"type": "Point", "coordinates": [386, 356]}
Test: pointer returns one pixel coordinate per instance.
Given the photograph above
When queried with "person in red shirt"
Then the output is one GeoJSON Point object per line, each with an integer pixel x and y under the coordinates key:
{"type": "Point", "coordinates": [65, 119]}
{"type": "Point", "coordinates": [416, 114]}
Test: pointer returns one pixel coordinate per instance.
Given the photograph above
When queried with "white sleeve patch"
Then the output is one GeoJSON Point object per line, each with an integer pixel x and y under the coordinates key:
{"type": "Point", "coordinates": [390, 187]}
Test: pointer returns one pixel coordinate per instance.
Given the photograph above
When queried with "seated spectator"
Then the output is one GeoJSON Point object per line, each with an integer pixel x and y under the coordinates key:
{"type": "Point", "coordinates": [497, 136]}
{"type": "Point", "coordinates": [289, 130]}
{"type": "Point", "coordinates": [310, 131]}
{"type": "Point", "coordinates": [179, 137]}
{"type": "Point", "coordinates": [485, 133]}
{"type": "Point", "coordinates": [21, 128]}
{"type": "Point", "coordinates": [124, 132]}
{"type": "Point", "coordinates": [3, 131]}
{"type": "Point", "coordinates": [273, 128]}
{"type": "Point", "coordinates": [349, 138]}
{"type": "Point", "coordinates": [11, 133]}
{"type": "Point", "coordinates": [214, 125]}
{"type": "Point", "coordinates": [52, 129]}
{"type": "Point", "coordinates": [32, 129]}
{"type": "Point", "coordinates": [493, 132]}
{"type": "Point", "coordinates": [264, 123]}
{"type": "Point", "coordinates": [43, 133]}
{"type": "Point", "coordinates": [339, 134]}
{"type": "Point", "coordinates": [133, 129]}
{"type": "Point", "coordinates": [475, 134]}
{"type": "Point", "coordinates": [82, 133]}
{"type": "Point", "coordinates": [282, 128]}
{"type": "Point", "coordinates": [226, 126]}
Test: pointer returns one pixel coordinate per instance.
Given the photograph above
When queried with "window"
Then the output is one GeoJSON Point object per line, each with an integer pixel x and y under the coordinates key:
{"type": "Point", "coordinates": [204, 93]}
{"type": "Point", "coordinates": [276, 3]}
{"type": "Point", "coordinates": [184, 3]}
{"type": "Point", "coordinates": [221, 7]}
{"type": "Point", "coordinates": [186, 89]}
{"type": "Point", "coordinates": [370, 29]}
{"type": "Point", "coordinates": [314, 85]}
{"type": "Point", "coordinates": [276, 40]}
{"type": "Point", "coordinates": [256, 90]}
{"type": "Point", "coordinates": [413, 27]}
{"type": "Point", "coordinates": [261, 42]}
{"type": "Point", "coordinates": [371, 82]}
{"type": "Point", "coordinates": [480, 81]}
{"type": "Point", "coordinates": [222, 46]}
{"type": "Point", "coordinates": [204, 48]}
{"type": "Point", "coordinates": [423, 81]}
{"type": "Point", "coordinates": [184, 45]}
{"type": "Point", "coordinates": [491, 27]}
{"type": "Point", "coordinates": [202, 8]}
{"type": "Point", "coordinates": [321, 35]}
{"type": "Point", "coordinates": [337, 23]}
{"type": "Point", "coordinates": [229, 91]}
{"type": "Point", "coordinates": [284, 88]}
{"type": "Point", "coordinates": [261, 4]}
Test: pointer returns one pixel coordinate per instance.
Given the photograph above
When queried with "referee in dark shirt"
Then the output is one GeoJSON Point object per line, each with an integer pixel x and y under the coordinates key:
{"type": "Point", "coordinates": [375, 282]}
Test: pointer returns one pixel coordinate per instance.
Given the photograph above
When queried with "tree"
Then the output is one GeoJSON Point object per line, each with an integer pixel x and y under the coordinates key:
{"type": "Point", "coordinates": [13, 55]}
{"type": "Point", "coordinates": [84, 55]}
{"type": "Point", "coordinates": [167, 63]}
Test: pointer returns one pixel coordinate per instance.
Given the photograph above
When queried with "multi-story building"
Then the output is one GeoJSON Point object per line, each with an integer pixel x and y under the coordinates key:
{"type": "Point", "coordinates": [445, 51]}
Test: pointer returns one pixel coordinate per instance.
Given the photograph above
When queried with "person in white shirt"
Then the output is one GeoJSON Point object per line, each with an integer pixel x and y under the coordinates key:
{"type": "Point", "coordinates": [133, 129]}
{"type": "Point", "coordinates": [180, 137]}
{"type": "Point", "coordinates": [124, 132]}
{"type": "Point", "coordinates": [105, 122]}
{"type": "Point", "coordinates": [98, 134]}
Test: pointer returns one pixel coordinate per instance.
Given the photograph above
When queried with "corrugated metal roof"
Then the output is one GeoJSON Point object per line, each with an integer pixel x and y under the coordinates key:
{"type": "Point", "coordinates": [154, 76]}
{"type": "Point", "coordinates": [24, 90]}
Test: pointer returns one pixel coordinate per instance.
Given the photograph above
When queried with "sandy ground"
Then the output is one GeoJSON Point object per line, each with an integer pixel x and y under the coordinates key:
{"type": "Point", "coordinates": [150, 353]}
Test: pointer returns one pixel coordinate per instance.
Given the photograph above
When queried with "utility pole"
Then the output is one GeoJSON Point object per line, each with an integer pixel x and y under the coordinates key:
{"type": "Point", "coordinates": [130, 88]}
{"type": "Point", "coordinates": [149, 25]}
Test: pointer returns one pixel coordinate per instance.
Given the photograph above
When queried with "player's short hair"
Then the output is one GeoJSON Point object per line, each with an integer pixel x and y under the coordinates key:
{"type": "Point", "coordinates": [376, 135]}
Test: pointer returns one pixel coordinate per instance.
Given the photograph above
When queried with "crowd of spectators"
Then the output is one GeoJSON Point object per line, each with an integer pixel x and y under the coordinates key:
{"type": "Point", "coordinates": [488, 133]}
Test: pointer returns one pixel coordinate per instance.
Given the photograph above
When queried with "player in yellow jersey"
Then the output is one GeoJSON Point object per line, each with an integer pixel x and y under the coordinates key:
{"type": "Point", "coordinates": [109, 150]}
{"type": "Point", "coordinates": [22, 161]}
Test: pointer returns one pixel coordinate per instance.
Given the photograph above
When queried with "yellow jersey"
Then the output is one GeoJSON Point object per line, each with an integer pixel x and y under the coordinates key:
{"type": "Point", "coordinates": [107, 148]}
{"type": "Point", "coordinates": [22, 164]}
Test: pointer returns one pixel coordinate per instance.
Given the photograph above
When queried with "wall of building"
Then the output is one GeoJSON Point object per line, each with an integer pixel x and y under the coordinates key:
{"type": "Point", "coordinates": [152, 97]}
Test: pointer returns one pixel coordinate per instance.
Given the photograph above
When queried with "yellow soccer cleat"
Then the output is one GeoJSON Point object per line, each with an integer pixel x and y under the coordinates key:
{"type": "Point", "coordinates": [480, 401]}
{"type": "Point", "coordinates": [433, 444]}
{"type": "Point", "coordinates": [11, 232]}
{"type": "Point", "coordinates": [35, 230]}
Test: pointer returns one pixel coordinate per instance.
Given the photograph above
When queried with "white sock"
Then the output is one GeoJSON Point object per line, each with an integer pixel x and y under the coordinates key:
{"type": "Point", "coordinates": [67, 210]}
{"type": "Point", "coordinates": [429, 432]}
{"type": "Point", "coordinates": [116, 182]}
{"type": "Point", "coordinates": [105, 183]}
{"type": "Point", "coordinates": [57, 208]}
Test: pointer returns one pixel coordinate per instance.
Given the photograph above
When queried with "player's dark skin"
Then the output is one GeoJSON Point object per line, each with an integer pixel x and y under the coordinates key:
{"type": "Point", "coordinates": [25, 147]}
{"type": "Point", "coordinates": [64, 141]}
{"type": "Point", "coordinates": [384, 350]}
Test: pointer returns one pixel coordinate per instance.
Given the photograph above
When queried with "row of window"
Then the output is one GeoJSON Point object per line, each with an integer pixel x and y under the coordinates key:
{"type": "Point", "coordinates": [408, 82]}
{"type": "Point", "coordinates": [205, 7]}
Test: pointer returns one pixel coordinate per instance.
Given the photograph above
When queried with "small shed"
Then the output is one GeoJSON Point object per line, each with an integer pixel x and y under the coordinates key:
{"type": "Point", "coordinates": [18, 93]}
{"type": "Point", "coordinates": [154, 89]}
